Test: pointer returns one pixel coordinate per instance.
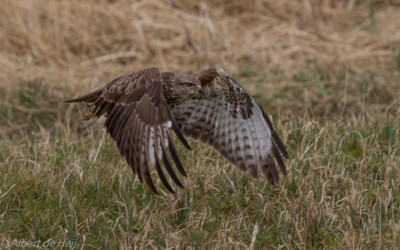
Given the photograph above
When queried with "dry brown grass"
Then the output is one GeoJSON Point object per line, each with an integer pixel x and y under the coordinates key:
{"type": "Point", "coordinates": [327, 71]}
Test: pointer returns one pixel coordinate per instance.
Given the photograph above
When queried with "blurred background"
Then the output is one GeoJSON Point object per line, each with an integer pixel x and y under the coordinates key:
{"type": "Point", "coordinates": [292, 55]}
{"type": "Point", "coordinates": [327, 71]}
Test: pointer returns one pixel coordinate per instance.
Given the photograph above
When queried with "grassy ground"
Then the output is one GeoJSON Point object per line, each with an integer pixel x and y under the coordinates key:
{"type": "Point", "coordinates": [327, 72]}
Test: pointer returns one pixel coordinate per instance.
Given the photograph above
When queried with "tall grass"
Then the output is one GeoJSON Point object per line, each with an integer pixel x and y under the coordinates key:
{"type": "Point", "coordinates": [326, 71]}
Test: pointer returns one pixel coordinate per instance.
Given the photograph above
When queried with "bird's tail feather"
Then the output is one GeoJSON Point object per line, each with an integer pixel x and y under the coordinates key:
{"type": "Point", "coordinates": [88, 98]}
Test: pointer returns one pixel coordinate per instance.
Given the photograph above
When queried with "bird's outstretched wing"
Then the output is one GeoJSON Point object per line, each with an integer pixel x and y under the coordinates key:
{"type": "Point", "coordinates": [230, 121]}
{"type": "Point", "coordinates": [139, 120]}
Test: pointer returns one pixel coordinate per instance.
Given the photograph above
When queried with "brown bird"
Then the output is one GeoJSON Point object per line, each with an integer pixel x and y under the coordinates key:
{"type": "Point", "coordinates": [210, 107]}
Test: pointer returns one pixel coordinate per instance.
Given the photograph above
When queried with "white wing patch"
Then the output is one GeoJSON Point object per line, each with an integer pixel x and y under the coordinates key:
{"type": "Point", "coordinates": [151, 146]}
{"type": "Point", "coordinates": [157, 134]}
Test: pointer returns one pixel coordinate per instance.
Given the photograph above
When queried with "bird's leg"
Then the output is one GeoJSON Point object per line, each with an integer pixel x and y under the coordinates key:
{"type": "Point", "coordinates": [90, 114]}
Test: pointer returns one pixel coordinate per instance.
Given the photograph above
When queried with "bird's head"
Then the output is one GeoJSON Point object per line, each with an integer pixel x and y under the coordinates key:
{"type": "Point", "coordinates": [188, 84]}
{"type": "Point", "coordinates": [183, 88]}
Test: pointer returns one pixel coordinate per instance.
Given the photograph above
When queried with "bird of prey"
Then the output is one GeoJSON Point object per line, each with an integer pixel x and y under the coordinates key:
{"type": "Point", "coordinates": [142, 108]}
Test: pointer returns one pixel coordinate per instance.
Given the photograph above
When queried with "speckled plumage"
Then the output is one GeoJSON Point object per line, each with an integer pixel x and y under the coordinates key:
{"type": "Point", "coordinates": [142, 107]}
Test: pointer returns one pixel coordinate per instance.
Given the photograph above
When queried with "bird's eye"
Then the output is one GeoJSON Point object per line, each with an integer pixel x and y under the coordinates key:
{"type": "Point", "coordinates": [189, 84]}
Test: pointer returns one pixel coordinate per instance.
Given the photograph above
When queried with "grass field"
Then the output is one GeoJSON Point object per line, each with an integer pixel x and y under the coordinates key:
{"type": "Point", "coordinates": [327, 72]}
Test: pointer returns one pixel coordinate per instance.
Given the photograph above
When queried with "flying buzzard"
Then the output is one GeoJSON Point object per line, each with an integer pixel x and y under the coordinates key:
{"type": "Point", "coordinates": [210, 106]}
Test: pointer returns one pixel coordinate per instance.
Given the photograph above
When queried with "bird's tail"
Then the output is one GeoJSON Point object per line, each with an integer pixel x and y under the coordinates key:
{"type": "Point", "coordinates": [88, 98]}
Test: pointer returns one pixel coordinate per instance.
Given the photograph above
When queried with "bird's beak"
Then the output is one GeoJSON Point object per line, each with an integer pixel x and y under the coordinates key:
{"type": "Point", "coordinates": [199, 89]}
